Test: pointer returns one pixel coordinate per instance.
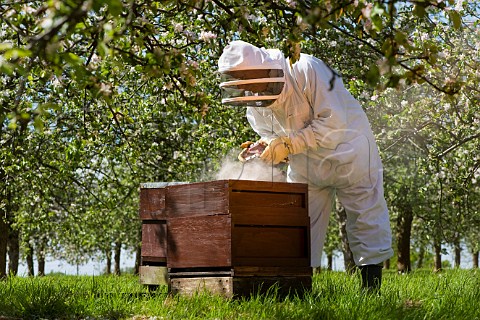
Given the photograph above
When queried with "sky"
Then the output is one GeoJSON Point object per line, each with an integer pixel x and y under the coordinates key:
{"type": "Point", "coordinates": [92, 267]}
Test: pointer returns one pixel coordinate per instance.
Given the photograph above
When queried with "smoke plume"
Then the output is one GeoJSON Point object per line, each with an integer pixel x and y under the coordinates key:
{"type": "Point", "coordinates": [256, 169]}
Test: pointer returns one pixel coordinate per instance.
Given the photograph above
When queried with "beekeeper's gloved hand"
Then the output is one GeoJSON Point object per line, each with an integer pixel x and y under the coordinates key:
{"type": "Point", "coordinates": [252, 150]}
{"type": "Point", "coordinates": [277, 150]}
{"type": "Point", "coordinates": [244, 146]}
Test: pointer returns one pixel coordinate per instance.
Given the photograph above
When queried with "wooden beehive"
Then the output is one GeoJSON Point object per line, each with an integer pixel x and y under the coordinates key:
{"type": "Point", "coordinates": [227, 234]}
{"type": "Point", "coordinates": [153, 268]}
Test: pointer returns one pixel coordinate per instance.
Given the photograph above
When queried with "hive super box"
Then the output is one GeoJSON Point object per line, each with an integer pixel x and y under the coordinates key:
{"type": "Point", "coordinates": [231, 237]}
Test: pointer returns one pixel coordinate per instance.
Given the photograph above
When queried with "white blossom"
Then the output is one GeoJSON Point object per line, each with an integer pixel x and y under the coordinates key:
{"type": "Point", "coordinates": [177, 27]}
{"type": "Point", "coordinates": [27, 9]}
{"type": "Point", "coordinates": [105, 89]}
{"type": "Point", "coordinates": [254, 18]}
{"type": "Point", "coordinates": [458, 5]}
{"type": "Point", "coordinates": [189, 34]}
{"type": "Point", "coordinates": [367, 10]}
{"type": "Point", "coordinates": [207, 36]}
{"type": "Point", "coordinates": [292, 3]}
{"type": "Point", "coordinates": [442, 55]}
{"type": "Point", "coordinates": [46, 23]}
{"type": "Point", "coordinates": [56, 82]}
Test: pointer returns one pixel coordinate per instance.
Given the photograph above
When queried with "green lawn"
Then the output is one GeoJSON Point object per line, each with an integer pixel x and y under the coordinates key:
{"type": "Point", "coordinates": [451, 294]}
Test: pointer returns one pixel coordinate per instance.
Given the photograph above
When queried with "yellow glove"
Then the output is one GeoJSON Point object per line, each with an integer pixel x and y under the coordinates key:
{"type": "Point", "coordinates": [277, 150]}
{"type": "Point", "coordinates": [246, 144]}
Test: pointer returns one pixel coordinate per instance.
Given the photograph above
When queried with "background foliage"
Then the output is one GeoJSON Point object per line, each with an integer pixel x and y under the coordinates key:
{"type": "Point", "coordinates": [99, 96]}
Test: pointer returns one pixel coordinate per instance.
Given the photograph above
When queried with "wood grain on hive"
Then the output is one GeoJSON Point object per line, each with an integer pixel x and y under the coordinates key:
{"type": "Point", "coordinates": [243, 230]}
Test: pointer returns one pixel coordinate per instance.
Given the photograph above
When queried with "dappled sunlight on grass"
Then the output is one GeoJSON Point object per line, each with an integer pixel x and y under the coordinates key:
{"type": "Point", "coordinates": [335, 295]}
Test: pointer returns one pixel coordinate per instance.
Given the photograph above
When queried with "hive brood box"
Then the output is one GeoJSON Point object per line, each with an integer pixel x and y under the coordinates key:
{"type": "Point", "coordinates": [228, 236]}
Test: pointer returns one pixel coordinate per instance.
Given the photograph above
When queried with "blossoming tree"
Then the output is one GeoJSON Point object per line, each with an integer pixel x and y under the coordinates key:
{"type": "Point", "coordinates": [98, 96]}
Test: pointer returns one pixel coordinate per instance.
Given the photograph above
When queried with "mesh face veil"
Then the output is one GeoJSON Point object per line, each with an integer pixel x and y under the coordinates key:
{"type": "Point", "coordinates": [251, 88]}
{"type": "Point", "coordinates": [250, 76]}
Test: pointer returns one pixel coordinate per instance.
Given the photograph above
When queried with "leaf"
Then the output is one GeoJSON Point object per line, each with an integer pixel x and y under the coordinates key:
{"type": "Point", "coordinates": [376, 16]}
{"type": "Point", "coordinates": [377, 10]}
{"type": "Point", "coordinates": [6, 68]}
{"type": "Point", "coordinates": [377, 23]}
{"type": "Point", "coordinates": [400, 37]}
{"type": "Point", "coordinates": [102, 49]}
{"type": "Point", "coordinates": [387, 47]}
{"type": "Point", "coordinates": [373, 74]}
{"type": "Point", "coordinates": [455, 19]}
{"type": "Point", "coordinates": [419, 10]}
{"type": "Point", "coordinates": [38, 123]}
{"type": "Point", "coordinates": [12, 124]}
{"type": "Point", "coordinates": [73, 58]}
{"type": "Point", "coordinates": [393, 81]}
{"type": "Point", "coordinates": [16, 53]}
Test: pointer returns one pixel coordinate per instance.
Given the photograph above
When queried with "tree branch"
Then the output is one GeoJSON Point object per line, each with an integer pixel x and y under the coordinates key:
{"type": "Point", "coordinates": [456, 145]}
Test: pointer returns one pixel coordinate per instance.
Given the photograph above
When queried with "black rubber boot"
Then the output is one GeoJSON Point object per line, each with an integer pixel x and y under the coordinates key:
{"type": "Point", "coordinates": [371, 278]}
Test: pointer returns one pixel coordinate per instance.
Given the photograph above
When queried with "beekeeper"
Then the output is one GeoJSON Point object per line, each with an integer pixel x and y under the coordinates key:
{"type": "Point", "coordinates": [305, 114]}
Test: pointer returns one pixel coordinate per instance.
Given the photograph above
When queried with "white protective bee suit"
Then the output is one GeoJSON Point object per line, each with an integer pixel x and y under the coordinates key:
{"type": "Point", "coordinates": [333, 149]}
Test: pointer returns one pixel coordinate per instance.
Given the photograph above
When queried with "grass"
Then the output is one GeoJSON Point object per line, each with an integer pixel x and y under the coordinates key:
{"type": "Point", "coordinates": [451, 294]}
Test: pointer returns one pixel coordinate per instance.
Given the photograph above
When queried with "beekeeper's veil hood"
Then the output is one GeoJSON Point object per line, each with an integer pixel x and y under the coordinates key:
{"type": "Point", "coordinates": [250, 76]}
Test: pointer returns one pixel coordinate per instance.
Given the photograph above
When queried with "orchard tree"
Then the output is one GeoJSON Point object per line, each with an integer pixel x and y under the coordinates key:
{"type": "Point", "coordinates": [116, 92]}
{"type": "Point", "coordinates": [62, 39]}
{"type": "Point", "coordinates": [430, 145]}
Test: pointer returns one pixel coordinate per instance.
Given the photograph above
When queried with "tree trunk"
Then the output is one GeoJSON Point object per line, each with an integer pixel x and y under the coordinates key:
{"type": "Point", "coordinates": [386, 264]}
{"type": "Point", "coordinates": [404, 230]}
{"type": "Point", "coordinates": [475, 259]}
{"type": "Point", "coordinates": [3, 224]}
{"type": "Point", "coordinates": [348, 261]}
{"type": "Point", "coordinates": [41, 266]}
{"type": "Point", "coordinates": [29, 258]}
{"type": "Point", "coordinates": [421, 257]}
{"type": "Point", "coordinates": [138, 259]}
{"type": "Point", "coordinates": [3, 246]}
{"type": "Point", "coordinates": [458, 250]}
{"type": "Point", "coordinates": [330, 261]}
{"type": "Point", "coordinates": [438, 256]}
{"type": "Point", "coordinates": [41, 260]}
{"type": "Point", "coordinates": [117, 250]}
{"type": "Point", "coordinates": [108, 269]}
{"type": "Point", "coordinates": [13, 251]}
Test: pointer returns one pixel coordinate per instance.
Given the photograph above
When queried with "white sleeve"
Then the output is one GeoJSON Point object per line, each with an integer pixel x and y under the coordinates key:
{"type": "Point", "coordinates": [260, 120]}
{"type": "Point", "coordinates": [329, 123]}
